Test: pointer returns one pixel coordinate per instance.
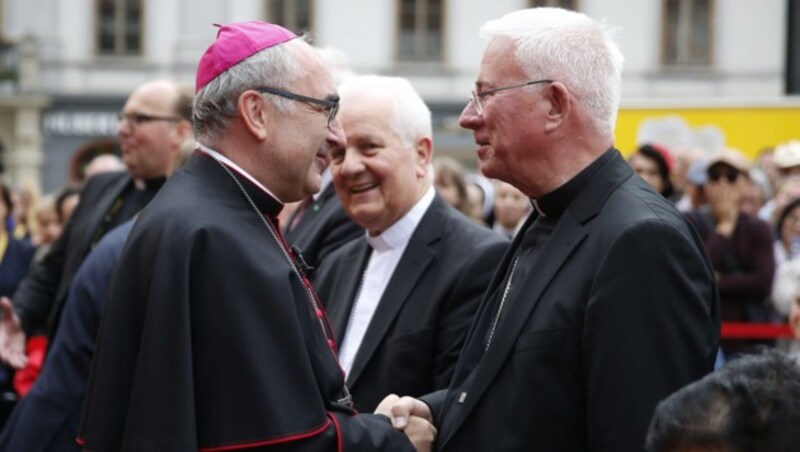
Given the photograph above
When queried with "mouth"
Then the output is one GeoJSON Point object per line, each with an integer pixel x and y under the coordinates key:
{"type": "Point", "coordinates": [361, 188]}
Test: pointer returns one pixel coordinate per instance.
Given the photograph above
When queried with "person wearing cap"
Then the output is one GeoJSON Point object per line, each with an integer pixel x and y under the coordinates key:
{"type": "Point", "coordinates": [739, 245]}
{"type": "Point", "coordinates": [214, 339]}
{"type": "Point", "coordinates": [787, 158]}
{"type": "Point", "coordinates": [154, 124]}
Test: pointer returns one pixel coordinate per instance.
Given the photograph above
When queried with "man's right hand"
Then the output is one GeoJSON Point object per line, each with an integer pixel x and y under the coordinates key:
{"type": "Point", "coordinates": [12, 337]}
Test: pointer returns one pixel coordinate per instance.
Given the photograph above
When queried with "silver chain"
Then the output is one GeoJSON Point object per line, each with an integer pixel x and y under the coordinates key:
{"type": "Point", "coordinates": [502, 303]}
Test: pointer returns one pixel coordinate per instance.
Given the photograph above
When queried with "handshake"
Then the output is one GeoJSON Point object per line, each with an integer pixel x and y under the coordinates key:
{"type": "Point", "coordinates": [412, 417]}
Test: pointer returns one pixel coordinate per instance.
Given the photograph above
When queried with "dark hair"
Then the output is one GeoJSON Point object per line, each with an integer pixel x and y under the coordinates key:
{"type": "Point", "coordinates": [5, 197]}
{"type": "Point", "coordinates": [752, 404]}
{"type": "Point", "coordinates": [649, 151]}
{"type": "Point", "coordinates": [449, 167]}
{"type": "Point", "coordinates": [63, 194]}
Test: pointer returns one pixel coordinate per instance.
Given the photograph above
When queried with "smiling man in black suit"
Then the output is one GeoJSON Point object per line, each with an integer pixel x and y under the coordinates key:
{"type": "Point", "coordinates": [402, 297]}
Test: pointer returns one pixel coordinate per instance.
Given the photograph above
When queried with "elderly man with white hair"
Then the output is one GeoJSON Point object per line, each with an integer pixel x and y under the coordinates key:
{"type": "Point", "coordinates": [605, 303]}
{"type": "Point", "coordinates": [402, 296]}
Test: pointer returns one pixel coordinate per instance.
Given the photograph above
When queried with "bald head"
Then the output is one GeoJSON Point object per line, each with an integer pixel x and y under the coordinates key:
{"type": "Point", "coordinates": [154, 124]}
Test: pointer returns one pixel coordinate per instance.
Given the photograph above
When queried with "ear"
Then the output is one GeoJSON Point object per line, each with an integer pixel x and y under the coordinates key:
{"type": "Point", "coordinates": [183, 131]}
{"type": "Point", "coordinates": [253, 114]}
{"type": "Point", "coordinates": [423, 151]}
{"type": "Point", "coordinates": [560, 106]}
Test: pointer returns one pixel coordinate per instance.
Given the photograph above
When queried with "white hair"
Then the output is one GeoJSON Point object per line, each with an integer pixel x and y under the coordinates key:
{"type": "Point", "coordinates": [569, 47]}
{"type": "Point", "coordinates": [411, 118]}
{"type": "Point", "coordinates": [215, 103]}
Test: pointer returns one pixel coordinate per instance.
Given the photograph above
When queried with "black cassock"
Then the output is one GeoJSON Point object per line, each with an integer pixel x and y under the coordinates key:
{"type": "Point", "coordinates": [211, 340]}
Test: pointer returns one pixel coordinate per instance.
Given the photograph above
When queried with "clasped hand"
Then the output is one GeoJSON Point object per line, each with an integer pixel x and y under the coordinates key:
{"type": "Point", "coordinates": [412, 417]}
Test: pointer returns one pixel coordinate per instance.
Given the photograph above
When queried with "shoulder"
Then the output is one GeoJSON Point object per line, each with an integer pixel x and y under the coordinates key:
{"type": "Point", "coordinates": [472, 236]}
{"type": "Point", "coordinates": [755, 224]}
{"type": "Point", "coordinates": [103, 181]}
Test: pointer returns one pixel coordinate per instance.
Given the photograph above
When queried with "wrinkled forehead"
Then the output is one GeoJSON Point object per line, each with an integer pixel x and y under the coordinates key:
{"type": "Point", "coordinates": [499, 61]}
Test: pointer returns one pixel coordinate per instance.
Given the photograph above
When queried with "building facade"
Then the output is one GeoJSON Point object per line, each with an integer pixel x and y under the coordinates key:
{"type": "Point", "coordinates": [70, 64]}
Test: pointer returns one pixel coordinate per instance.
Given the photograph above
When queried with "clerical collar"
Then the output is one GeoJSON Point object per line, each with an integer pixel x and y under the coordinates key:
{"type": "Point", "coordinates": [267, 203]}
{"type": "Point", "coordinates": [400, 232]}
{"type": "Point", "coordinates": [556, 202]}
{"type": "Point", "coordinates": [154, 183]}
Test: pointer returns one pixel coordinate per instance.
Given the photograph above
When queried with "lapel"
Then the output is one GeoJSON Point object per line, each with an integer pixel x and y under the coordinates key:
{"type": "Point", "coordinates": [573, 227]}
{"type": "Point", "coordinates": [353, 265]}
{"type": "Point", "coordinates": [310, 212]}
{"type": "Point", "coordinates": [420, 251]}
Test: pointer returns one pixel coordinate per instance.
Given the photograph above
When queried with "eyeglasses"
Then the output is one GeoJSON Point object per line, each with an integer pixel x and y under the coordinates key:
{"type": "Point", "coordinates": [137, 119]}
{"type": "Point", "coordinates": [331, 105]}
{"type": "Point", "coordinates": [715, 174]}
{"type": "Point", "coordinates": [476, 96]}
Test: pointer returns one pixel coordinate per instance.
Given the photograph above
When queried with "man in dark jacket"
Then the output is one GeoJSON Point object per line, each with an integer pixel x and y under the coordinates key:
{"type": "Point", "coordinates": [154, 124]}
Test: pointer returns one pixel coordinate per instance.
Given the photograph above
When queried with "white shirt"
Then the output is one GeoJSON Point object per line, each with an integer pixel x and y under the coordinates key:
{"type": "Point", "coordinates": [387, 249]}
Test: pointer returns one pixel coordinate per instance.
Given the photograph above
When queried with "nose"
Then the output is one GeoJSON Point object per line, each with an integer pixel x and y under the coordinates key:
{"type": "Point", "coordinates": [124, 127]}
{"type": "Point", "coordinates": [351, 164]}
{"type": "Point", "coordinates": [470, 119]}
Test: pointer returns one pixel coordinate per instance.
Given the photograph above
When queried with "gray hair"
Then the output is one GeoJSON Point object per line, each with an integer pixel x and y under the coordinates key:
{"type": "Point", "coordinates": [569, 47]}
{"type": "Point", "coordinates": [215, 103]}
{"type": "Point", "coordinates": [411, 118]}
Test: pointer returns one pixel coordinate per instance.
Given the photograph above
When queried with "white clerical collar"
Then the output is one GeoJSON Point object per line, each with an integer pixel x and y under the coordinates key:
{"type": "Point", "coordinates": [228, 162]}
{"type": "Point", "coordinates": [400, 232]}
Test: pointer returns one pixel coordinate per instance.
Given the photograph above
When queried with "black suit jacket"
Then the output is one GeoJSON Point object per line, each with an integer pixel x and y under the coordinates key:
{"type": "Point", "coordinates": [42, 293]}
{"type": "Point", "coordinates": [621, 311]}
{"type": "Point", "coordinates": [323, 227]}
{"type": "Point", "coordinates": [412, 343]}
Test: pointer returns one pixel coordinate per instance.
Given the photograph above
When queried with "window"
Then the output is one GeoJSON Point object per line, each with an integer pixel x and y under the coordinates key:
{"type": "Point", "coordinates": [292, 14]}
{"type": "Point", "coordinates": [566, 4]}
{"type": "Point", "coordinates": [687, 33]}
{"type": "Point", "coordinates": [119, 27]}
{"type": "Point", "coordinates": [421, 30]}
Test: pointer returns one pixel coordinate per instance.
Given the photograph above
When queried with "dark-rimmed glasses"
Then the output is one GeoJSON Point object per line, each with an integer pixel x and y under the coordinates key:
{"type": "Point", "coordinates": [137, 119]}
{"type": "Point", "coordinates": [476, 96]}
{"type": "Point", "coordinates": [331, 104]}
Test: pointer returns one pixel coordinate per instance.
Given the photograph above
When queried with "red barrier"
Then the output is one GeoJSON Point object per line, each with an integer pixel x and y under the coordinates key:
{"type": "Point", "coordinates": [744, 330]}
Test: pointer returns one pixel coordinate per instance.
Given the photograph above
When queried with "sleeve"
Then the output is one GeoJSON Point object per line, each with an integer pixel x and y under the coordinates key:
{"type": "Point", "coordinates": [651, 327]}
{"type": "Point", "coordinates": [461, 306]}
{"type": "Point", "coordinates": [435, 402]}
{"type": "Point", "coordinates": [35, 297]}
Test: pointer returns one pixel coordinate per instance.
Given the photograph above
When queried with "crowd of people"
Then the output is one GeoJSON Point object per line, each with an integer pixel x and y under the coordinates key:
{"type": "Point", "coordinates": [312, 277]}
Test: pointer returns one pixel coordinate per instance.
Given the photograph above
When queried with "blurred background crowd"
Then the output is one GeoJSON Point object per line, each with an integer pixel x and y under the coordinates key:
{"type": "Point", "coordinates": [709, 116]}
